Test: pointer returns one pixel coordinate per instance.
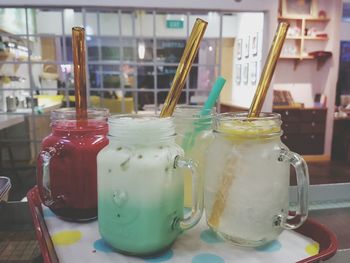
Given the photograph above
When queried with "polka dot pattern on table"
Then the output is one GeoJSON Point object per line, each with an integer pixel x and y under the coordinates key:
{"type": "Point", "coordinates": [313, 249]}
{"type": "Point", "coordinates": [64, 238]}
{"type": "Point", "coordinates": [162, 257]}
{"type": "Point", "coordinates": [271, 247]}
{"type": "Point", "coordinates": [48, 213]}
{"type": "Point", "coordinates": [207, 258]}
{"type": "Point", "coordinates": [101, 246]}
{"type": "Point", "coordinates": [210, 237]}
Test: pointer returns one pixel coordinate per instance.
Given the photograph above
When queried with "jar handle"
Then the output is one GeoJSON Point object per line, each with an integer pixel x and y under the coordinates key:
{"type": "Point", "coordinates": [197, 190]}
{"type": "Point", "coordinates": [294, 219]}
{"type": "Point", "coordinates": [46, 156]}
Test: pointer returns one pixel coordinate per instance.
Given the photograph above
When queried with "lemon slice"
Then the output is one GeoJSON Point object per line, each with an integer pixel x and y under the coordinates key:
{"type": "Point", "coordinates": [246, 128]}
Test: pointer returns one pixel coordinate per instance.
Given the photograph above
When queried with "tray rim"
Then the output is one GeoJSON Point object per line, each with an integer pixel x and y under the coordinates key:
{"type": "Point", "coordinates": [49, 254]}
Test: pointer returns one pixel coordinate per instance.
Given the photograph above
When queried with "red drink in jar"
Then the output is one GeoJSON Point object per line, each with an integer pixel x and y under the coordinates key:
{"type": "Point", "coordinates": [66, 167]}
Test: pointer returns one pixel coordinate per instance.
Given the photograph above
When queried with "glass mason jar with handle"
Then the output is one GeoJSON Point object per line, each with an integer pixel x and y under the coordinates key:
{"type": "Point", "coordinates": [140, 185]}
{"type": "Point", "coordinates": [247, 180]}
{"type": "Point", "coordinates": [193, 133]}
{"type": "Point", "coordinates": [66, 165]}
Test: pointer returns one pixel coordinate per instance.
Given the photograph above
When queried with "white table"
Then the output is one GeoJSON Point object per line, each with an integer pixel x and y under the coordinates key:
{"type": "Point", "coordinates": [7, 120]}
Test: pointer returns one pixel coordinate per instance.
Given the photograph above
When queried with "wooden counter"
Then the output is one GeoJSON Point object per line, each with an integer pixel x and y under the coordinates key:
{"type": "Point", "coordinates": [304, 129]}
{"type": "Point", "coordinates": [227, 107]}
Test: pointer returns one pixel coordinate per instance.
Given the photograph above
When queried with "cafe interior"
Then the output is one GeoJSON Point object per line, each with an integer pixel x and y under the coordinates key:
{"type": "Point", "coordinates": [230, 78]}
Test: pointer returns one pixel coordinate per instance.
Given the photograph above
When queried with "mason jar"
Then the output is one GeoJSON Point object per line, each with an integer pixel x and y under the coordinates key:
{"type": "Point", "coordinates": [194, 133]}
{"type": "Point", "coordinates": [140, 185]}
{"type": "Point", "coordinates": [66, 165]}
{"type": "Point", "coordinates": [247, 180]}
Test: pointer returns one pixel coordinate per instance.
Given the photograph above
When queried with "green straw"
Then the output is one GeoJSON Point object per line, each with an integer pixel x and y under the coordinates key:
{"type": "Point", "coordinates": [190, 137]}
{"type": "Point", "coordinates": [213, 96]}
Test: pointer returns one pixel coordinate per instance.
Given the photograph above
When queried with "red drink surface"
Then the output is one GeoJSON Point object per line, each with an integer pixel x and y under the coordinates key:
{"type": "Point", "coordinates": [72, 169]}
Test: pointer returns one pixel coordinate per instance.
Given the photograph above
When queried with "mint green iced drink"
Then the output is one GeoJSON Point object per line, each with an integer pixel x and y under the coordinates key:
{"type": "Point", "coordinates": [140, 186]}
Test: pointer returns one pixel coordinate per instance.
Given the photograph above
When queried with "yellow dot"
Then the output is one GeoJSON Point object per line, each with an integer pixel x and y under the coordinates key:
{"type": "Point", "coordinates": [312, 249]}
{"type": "Point", "coordinates": [66, 237]}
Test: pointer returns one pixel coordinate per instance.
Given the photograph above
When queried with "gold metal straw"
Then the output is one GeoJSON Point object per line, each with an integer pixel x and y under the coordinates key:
{"type": "Point", "coordinates": [255, 108]}
{"type": "Point", "coordinates": [184, 67]}
{"type": "Point", "coordinates": [269, 68]}
{"type": "Point", "coordinates": [78, 42]}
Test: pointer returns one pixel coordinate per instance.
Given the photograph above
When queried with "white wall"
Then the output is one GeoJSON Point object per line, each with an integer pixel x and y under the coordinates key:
{"type": "Point", "coordinates": [248, 25]}
{"type": "Point", "coordinates": [325, 79]}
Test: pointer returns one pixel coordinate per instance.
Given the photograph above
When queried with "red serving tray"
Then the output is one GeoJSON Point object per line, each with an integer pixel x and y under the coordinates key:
{"type": "Point", "coordinates": [312, 229]}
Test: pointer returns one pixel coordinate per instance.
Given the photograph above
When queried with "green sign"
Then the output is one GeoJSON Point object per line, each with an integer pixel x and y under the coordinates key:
{"type": "Point", "coordinates": [175, 24]}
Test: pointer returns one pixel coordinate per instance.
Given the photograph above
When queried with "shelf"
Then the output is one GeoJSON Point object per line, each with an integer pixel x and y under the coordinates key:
{"type": "Point", "coordinates": [315, 38]}
{"type": "Point", "coordinates": [296, 57]}
{"type": "Point", "coordinates": [305, 42]}
{"type": "Point", "coordinates": [4, 55]}
{"type": "Point", "coordinates": [314, 19]}
{"type": "Point", "coordinates": [294, 38]}
{"type": "Point", "coordinates": [318, 19]}
{"type": "Point", "coordinates": [289, 57]}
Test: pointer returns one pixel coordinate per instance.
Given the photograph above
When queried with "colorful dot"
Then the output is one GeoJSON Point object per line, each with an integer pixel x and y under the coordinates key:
{"type": "Point", "coordinates": [312, 249]}
{"type": "Point", "coordinates": [102, 246]}
{"type": "Point", "coordinates": [210, 237]}
{"type": "Point", "coordinates": [207, 258]}
{"type": "Point", "coordinates": [66, 237]}
{"type": "Point", "coordinates": [161, 258]}
{"type": "Point", "coordinates": [270, 247]}
{"type": "Point", "coordinates": [48, 213]}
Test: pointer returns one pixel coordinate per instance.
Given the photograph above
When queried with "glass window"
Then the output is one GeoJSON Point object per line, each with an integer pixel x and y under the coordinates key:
{"type": "Point", "coordinates": [13, 20]}
{"type": "Point", "coordinates": [45, 77]}
{"type": "Point", "coordinates": [144, 24]}
{"type": "Point", "coordinates": [209, 52]}
{"type": "Point", "coordinates": [14, 80]}
{"type": "Point", "coordinates": [213, 27]}
{"type": "Point", "coordinates": [171, 25]}
{"type": "Point", "coordinates": [91, 27]}
{"type": "Point", "coordinates": [106, 20]}
{"type": "Point", "coordinates": [161, 96]}
{"type": "Point", "coordinates": [42, 16]}
{"type": "Point", "coordinates": [71, 19]}
{"type": "Point", "coordinates": [129, 49]}
{"type": "Point", "coordinates": [104, 76]}
{"type": "Point", "coordinates": [145, 77]}
{"type": "Point", "coordinates": [170, 51]}
{"type": "Point", "coordinates": [128, 74]}
{"type": "Point", "coordinates": [145, 100]}
{"type": "Point", "coordinates": [165, 75]}
{"type": "Point", "coordinates": [67, 43]}
{"type": "Point", "coordinates": [131, 58]}
{"type": "Point", "coordinates": [202, 77]}
{"type": "Point", "coordinates": [144, 50]}
{"type": "Point", "coordinates": [127, 23]}
{"type": "Point", "coordinates": [46, 48]}
{"type": "Point", "coordinates": [103, 48]}
{"type": "Point", "coordinates": [110, 49]}
{"type": "Point", "coordinates": [14, 48]}
{"type": "Point", "coordinates": [95, 76]}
